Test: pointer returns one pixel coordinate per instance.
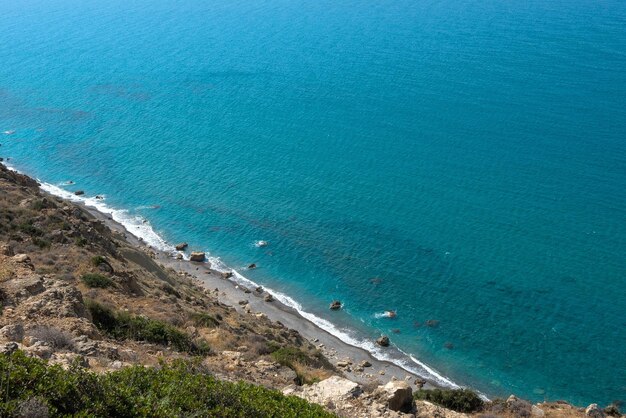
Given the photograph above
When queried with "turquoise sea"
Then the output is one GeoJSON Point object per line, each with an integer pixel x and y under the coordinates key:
{"type": "Point", "coordinates": [463, 162]}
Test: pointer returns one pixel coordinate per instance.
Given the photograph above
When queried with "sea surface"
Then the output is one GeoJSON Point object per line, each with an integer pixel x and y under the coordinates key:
{"type": "Point", "coordinates": [460, 162]}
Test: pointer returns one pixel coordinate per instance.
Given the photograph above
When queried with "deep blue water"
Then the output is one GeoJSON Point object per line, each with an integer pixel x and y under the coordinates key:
{"type": "Point", "coordinates": [471, 155]}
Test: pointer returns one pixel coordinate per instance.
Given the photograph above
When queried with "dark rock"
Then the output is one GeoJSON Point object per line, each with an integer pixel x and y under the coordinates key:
{"type": "Point", "coordinates": [58, 236]}
{"type": "Point", "coordinates": [227, 274]}
{"type": "Point", "coordinates": [79, 192]}
{"type": "Point", "coordinates": [613, 410]}
{"type": "Point", "coordinates": [269, 298]}
{"type": "Point", "coordinates": [252, 266]}
{"type": "Point", "coordinates": [8, 348]}
{"type": "Point", "coordinates": [449, 345]}
{"type": "Point", "coordinates": [419, 382]}
{"type": "Point", "coordinates": [383, 341]}
{"type": "Point", "coordinates": [182, 246]}
{"type": "Point", "coordinates": [335, 305]}
{"type": "Point", "coordinates": [432, 323]}
{"type": "Point", "coordinates": [105, 267]}
{"type": "Point", "coordinates": [259, 289]}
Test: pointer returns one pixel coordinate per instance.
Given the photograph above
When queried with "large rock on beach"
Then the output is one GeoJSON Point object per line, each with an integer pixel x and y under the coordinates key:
{"type": "Point", "coordinates": [383, 341]}
{"type": "Point", "coordinates": [197, 256]}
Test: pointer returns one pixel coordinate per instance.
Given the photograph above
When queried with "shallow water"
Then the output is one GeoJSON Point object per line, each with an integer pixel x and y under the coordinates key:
{"type": "Point", "coordinates": [469, 156]}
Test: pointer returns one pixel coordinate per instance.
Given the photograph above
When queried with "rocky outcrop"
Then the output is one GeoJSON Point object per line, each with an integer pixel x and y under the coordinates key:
{"type": "Point", "coordinates": [21, 258]}
{"type": "Point", "coordinates": [397, 395]}
{"type": "Point", "coordinates": [334, 389]}
{"type": "Point", "coordinates": [12, 332]}
{"type": "Point", "coordinates": [198, 256]}
{"type": "Point", "coordinates": [425, 409]}
{"type": "Point", "coordinates": [182, 246]}
{"type": "Point", "coordinates": [594, 411]}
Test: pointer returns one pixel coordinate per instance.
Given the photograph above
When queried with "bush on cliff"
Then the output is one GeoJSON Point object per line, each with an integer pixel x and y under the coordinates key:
{"type": "Point", "coordinates": [96, 280]}
{"type": "Point", "coordinates": [460, 400]}
{"type": "Point", "coordinates": [179, 389]}
{"type": "Point", "coordinates": [124, 326]}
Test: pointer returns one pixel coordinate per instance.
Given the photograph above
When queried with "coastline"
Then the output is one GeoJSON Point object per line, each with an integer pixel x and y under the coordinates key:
{"type": "Point", "coordinates": [231, 292]}
{"type": "Point", "coordinates": [237, 288]}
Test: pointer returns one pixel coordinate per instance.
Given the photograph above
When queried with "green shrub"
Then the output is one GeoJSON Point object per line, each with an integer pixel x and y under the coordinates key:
{"type": "Point", "coordinates": [97, 260]}
{"type": "Point", "coordinates": [179, 389]}
{"type": "Point", "coordinates": [80, 241]}
{"type": "Point", "coordinates": [123, 326]}
{"type": "Point", "coordinates": [96, 280]}
{"type": "Point", "coordinates": [460, 400]}
{"type": "Point", "coordinates": [28, 228]}
{"type": "Point", "coordinates": [170, 290]}
{"type": "Point", "coordinates": [41, 243]}
{"type": "Point", "coordinates": [295, 359]}
{"type": "Point", "coordinates": [201, 319]}
{"type": "Point", "coordinates": [288, 356]}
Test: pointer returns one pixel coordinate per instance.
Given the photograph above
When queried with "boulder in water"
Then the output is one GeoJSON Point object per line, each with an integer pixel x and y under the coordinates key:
{"type": "Point", "coordinates": [182, 246]}
{"type": "Point", "coordinates": [335, 305]}
{"type": "Point", "coordinates": [383, 341]}
{"type": "Point", "coordinates": [79, 192]}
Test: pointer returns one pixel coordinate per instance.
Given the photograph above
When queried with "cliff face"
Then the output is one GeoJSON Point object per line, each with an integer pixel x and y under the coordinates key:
{"type": "Point", "coordinates": [74, 292]}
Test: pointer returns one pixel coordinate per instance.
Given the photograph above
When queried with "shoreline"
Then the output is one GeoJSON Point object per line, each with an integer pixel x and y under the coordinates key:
{"type": "Point", "coordinates": [232, 292]}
